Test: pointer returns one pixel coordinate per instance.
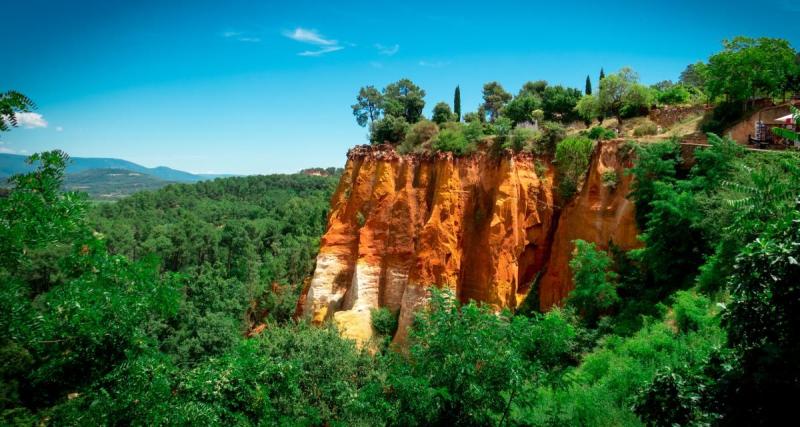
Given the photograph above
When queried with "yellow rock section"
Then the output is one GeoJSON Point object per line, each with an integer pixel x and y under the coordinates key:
{"type": "Point", "coordinates": [483, 226]}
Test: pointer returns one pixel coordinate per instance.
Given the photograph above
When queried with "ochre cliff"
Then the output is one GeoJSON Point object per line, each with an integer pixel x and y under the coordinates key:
{"type": "Point", "coordinates": [484, 226]}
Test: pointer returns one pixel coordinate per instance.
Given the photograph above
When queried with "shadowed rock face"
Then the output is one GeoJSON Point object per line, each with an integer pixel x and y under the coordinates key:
{"type": "Point", "coordinates": [482, 226]}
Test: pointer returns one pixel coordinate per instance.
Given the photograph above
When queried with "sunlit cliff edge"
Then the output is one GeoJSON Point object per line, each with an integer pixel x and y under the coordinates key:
{"type": "Point", "coordinates": [485, 226]}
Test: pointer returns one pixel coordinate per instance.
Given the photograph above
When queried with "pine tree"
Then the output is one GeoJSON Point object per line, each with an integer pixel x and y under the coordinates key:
{"type": "Point", "coordinates": [602, 74]}
{"type": "Point", "coordinates": [457, 103]}
{"type": "Point", "coordinates": [588, 86]}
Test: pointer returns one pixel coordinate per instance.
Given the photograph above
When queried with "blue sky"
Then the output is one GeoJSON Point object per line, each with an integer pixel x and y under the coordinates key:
{"type": "Point", "coordinates": [260, 87]}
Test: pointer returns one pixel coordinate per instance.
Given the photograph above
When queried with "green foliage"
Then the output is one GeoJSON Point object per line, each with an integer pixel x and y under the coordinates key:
{"type": "Point", "coordinates": [457, 103]}
{"type": "Point", "coordinates": [763, 320]}
{"type": "Point", "coordinates": [599, 133]}
{"type": "Point", "coordinates": [572, 160]}
{"type": "Point", "coordinates": [36, 213]}
{"type": "Point", "coordinates": [654, 163]}
{"type": "Point", "coordinates": [675, 396]}
{"type": "Point", "coordinates": [521, 108]}
{"type": "Point", "coordinates": [522, 139]}
{"type": "Point", "coordinates": [494, 99]}
{"type": "Point", "coordinates": [694, 75]}
{"type": "Point", "coordinates": [674, 95]}
{"type": "Point", "coordinates": [403, 100]}
{"type": "Point", "coordinates": [610, 179]}
{"type": "Point", "coordinates": [645, 129]}
{"type": "Point", "coordinates": [384, 321]}
{"type": "Point", "coordinates": [390, 129]}
{"type": "Point", "coordinates": [558, 103]}
{"type": "Point", "coordinates": [466, 365]}
{"type": "Point", "coordinates": [621, 93]}
{"type": "Point", "coordinates": [552, 134]}
{"type": "Point", "coordinates": [587, 108]}
{"type": "Point", "coordinates": [418, 136]}
{"type": "Point", "coordinates": [11, 103]}
{"type": "Point", "coordinates": [595, 288]}
{"type": "Point", "coordinates": [442, 113]}
{"type": "Point", "coordinates": [453, 140]}
{"type": "Point", "coordinates": [607, 383]}
{"type": "Point", "coordinates": [473, 131]}
{"type": "Point", "coordinates": [588, 89]}
{"type": "Point", "coordinates": [368, 106]}
{"type": "Point", "coordinates": [747, 68]}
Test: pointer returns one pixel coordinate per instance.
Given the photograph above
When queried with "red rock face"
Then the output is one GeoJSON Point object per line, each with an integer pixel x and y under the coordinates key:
{"type": "Point", "coordinates": [482, 226]}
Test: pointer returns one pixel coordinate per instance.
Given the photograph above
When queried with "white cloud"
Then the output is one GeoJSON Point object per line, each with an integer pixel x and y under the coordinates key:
{"type": "Point", "coordinates": [59, 129]}
{"type": "Point", "coordinates": [387, 50]}
{"type": "Point", "coordinates": [313, 37]}
{"type": "Point", "coordinates": [434, 64]}
{"type": "Point", "coordinates": [304, 35]}
{"type": "Point", "coordinates": [240, 36]}
{"type": "Point", "coordinates": [321, 51]}
{"type": "Point", "coordinates": [6, 150]}
{"type": "Point", "coordinates": [31, 120]}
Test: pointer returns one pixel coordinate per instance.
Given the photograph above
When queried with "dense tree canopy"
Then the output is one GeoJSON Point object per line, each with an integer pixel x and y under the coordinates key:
{"type": "Point", "coordinates": [747, 68]}
{"type": "Point", "coordinates": [494, 99]}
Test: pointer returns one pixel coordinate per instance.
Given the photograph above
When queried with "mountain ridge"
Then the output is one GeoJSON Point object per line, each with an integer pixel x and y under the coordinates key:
{"type": "Point", "coordinates": [11, 164]}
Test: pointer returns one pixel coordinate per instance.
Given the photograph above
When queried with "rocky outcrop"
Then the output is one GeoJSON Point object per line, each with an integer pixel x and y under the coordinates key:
{"type": "Point", "coordinates": [484, 226]}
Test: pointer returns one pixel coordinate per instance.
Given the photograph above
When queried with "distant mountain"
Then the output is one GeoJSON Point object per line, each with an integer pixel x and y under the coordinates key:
{"type": "Point", "coordinates": [112, 184]}
{"type": "Point", "coordinates": [11, 164]}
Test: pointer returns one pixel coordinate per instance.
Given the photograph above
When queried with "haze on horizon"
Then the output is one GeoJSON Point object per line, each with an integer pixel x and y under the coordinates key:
{"type": "Point", "coordinates": [247, 87]}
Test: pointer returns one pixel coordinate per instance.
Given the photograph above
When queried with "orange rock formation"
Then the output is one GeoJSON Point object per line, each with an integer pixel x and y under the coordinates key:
{"type": "Point", "coordinates": [483, 226]}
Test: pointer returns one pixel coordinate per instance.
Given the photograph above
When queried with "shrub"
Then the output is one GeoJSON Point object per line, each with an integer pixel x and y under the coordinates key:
{"type": "Point", "coordinates": [552, 134]}
{"type": "Point", "coordinates": [599, 133]}
{"type": "Point", "coordinates": [454, 141]}
{"type": "Point", "coordinates": [473, 131]}
{"type": "Point", "coordinates": [522, 139]}
{"type": "Point", "coordinates": [691, 311]}
{"type": "Point", "coordinates": [572, 160]}
{"type": "Point", "coordinates": [420, 133]}
{"type": "Point", "coordinates": [595, 290]}
{"type": "Point", "coordinates": [645, 129]}
{"type": "Point", "coordinates": [610, 179]}
{"type": "Point", "coordinates": [677, 94]}
{"type": "Point", "coordinates": [389, 129]}
{"type": "Point", "coordinates": [384, 321]}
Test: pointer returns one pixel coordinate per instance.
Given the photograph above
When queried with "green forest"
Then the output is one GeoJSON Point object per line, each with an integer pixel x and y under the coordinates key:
{"type": "Point", "coordinates": [143, 311]}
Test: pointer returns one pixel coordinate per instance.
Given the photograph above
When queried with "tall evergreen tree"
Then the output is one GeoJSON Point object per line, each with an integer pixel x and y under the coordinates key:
{"type": "Point", "coordinates": [602, 74]}
{"type": "Point", "coordinates": [457, 103]}
{"type": "Point", "coordinates": [588, 90]}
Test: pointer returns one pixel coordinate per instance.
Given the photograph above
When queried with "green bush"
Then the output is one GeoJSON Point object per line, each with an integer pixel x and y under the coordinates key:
{"type": "Point", "coordinates": [645, 129]}
{"type": "Point", "coordinates": [454, 141]}
{"type": "Point", "coordinates": [691, 311]}
{"type": "Point", "coordinates": [552, 134]}
{"type": "Point", "coordinates": [384, 321]}
{"type": "Point", "coordinates": [601, 133]}
{"type": "Point", "coordinates": [522, 139]}
{"type": "Point", "coordinates": [390, 129]}
{"type": "Point", "coordinates": [572, 160]}
{"type": "Point", "coordinates": [419, 134]}
{"type": "Point", "coordinates": [676, 94]}
{"type": "Point", "coordinates": [610, 179]}
{"type": "Point", "coordinates": [595, 291]}
{"type": "Point", "coordinates": [473, 131]}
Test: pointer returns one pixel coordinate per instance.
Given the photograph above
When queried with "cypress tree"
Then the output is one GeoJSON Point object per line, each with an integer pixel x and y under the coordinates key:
{"type": "Point", "coordinates": [457, 103]}
{"type": "Point", "coordinates": [588, 86]}
{"type": "Point", "coordinates": [602, 74]}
